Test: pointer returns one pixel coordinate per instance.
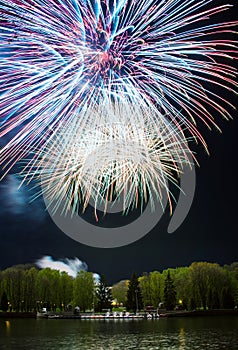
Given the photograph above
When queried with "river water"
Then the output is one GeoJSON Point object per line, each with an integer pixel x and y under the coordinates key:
{"type": "Point", "coordinates": [174, 333]}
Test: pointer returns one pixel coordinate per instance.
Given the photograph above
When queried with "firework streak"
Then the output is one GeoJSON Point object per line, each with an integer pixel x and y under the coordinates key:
{"type": "Point", "coordinates": [98, 95]}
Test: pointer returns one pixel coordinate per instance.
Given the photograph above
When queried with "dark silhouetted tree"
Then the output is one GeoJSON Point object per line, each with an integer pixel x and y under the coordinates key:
{"type": "Point", "coordinates": [134, 297]}
{"type": "Point", "coordinates": [4, 302]}
{"type": "Point", "coordinates": [169, 293]}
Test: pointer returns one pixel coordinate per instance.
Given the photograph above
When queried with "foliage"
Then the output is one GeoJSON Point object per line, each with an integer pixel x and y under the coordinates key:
{"type": "Point", "coordinates": [212, 286]}
{"type": "Point", "coordinates": [134, 298]}
{"type": "Point", "coordinates": [169, 293]}
{"type": "Point", "coordinates": [151, 286]}
{"type": "Point", "coordinates": [201, 285]}
{"type": "Point", "coordinates": [84, 290]}
{"type": "Point", "coordinates": [48, 288]}
{"type": "Point", "coordinates": [183, 286]}
{"type": "Point", "coordinates": [232, 271]}
{"type": "Point", "coordinates": [66, 290]}
{"type": "Point", "coordinates": [119, 291]}
{"type": "Point", "coordinates": [29, 289]}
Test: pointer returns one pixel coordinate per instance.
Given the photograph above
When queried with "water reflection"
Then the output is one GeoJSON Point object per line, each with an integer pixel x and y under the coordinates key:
{"type": "Point", "coordinates": [182, 339]}
{"type": "Point", "coordinates": [8, 327]}
{"type": "Point", "coordinates": [162, 334]}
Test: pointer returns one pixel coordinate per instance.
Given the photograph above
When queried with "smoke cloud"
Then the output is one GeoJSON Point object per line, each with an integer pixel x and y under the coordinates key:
{"type": "Point", "coordinates": [71, 266]}
{"type": "Point", "coordinates": [17, 200]}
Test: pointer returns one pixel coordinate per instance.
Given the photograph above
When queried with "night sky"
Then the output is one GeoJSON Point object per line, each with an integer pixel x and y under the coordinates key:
{"type": "Point", "coordinates": [209, 232]}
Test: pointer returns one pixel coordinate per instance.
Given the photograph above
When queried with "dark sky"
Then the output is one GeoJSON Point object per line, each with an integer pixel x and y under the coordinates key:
{"type": "Point", "coordinates": [209, 232]}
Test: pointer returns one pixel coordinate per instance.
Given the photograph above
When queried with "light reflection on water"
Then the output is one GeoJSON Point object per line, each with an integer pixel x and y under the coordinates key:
{"type": "Point", "coordinates": [181, 339]}
{"type": "Point", "coordinates": [170, 334]}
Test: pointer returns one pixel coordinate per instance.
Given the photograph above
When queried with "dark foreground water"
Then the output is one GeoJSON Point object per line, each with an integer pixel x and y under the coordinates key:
{"type": "Point", "coordinates": [180, 333]}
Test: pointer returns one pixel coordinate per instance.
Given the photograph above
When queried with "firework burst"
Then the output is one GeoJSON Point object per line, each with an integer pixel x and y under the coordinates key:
{"type": "Point", "coordinates": [62, 57]}
{"type": "Point", "coordinates": [110, 159]}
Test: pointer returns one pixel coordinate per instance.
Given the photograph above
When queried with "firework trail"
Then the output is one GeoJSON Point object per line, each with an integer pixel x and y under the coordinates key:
{"type": "Point", "coordinates": [62, 57]}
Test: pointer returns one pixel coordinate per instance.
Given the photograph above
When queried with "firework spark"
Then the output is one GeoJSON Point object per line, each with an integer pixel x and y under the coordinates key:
{"type": "Point", "coordinates": [110, 159]}
{"type": "Point", "coordinates": [62, 57]}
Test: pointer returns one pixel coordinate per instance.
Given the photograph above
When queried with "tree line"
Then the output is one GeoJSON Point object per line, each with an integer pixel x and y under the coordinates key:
{"type": "Point", "coordinates": [202, 285]}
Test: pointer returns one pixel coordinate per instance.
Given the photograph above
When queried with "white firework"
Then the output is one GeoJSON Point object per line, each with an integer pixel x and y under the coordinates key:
{"type": "Point", "coordinates": [119, 150]}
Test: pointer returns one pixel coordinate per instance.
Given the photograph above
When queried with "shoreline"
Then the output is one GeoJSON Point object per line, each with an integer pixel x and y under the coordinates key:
{"type": "Point", "coordinates": [169, 314]}
{"type": "Point", "coordinates": [13, 314]}
{"type": "Point", "coordinates": [199, 313]}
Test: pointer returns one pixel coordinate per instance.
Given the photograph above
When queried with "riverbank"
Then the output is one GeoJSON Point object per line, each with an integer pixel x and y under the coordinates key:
{"type": "Point", "coordinates": [142, 315]}
{"type": "Point", "coordinates": [17, 315]}
{"type": "Point", "coordinates": [198, 313]}
{"type": "Point", "coordinates": [68, 315]}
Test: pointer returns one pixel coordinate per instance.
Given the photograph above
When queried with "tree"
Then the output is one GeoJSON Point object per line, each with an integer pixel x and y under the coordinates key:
{"type": "Point", "coordinates": [232, 270]}
{"type": "Point", "coordinates": [13, 285]}
{"type": "Point", "coordinates": [134, 297]}
{"type": "Point", "coordinates": [104, 295]}
{"type": "Point", "coordinates": [48, 288]}
{"type": "Point", "coordinates": [183, 286]}
{"type": "Point", "coordinates": [119, 291]}
{"type": "Point", "coordinates": [83, 289]}
{"type": "Point", "coordinates": [66, 289]}
{"type": "Point", "coordinates": [145, 286]}
{"type": "Point", "coordinates": [29, 289]}
{"type": "Point", "coordinates": [157, 287]}
{"type": "Point", "coordinates": [151, 288]}
{"type": "Point", "coordinates": [198, 275]}
{"type": "Point", "coordinates": [169, 293]}
{"type": "Point", "coordinates": [212, 286]}
{"type": "Point", "coordinates": [4, 302]}
{"type": "Point", "coordinates": [202, 284]}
